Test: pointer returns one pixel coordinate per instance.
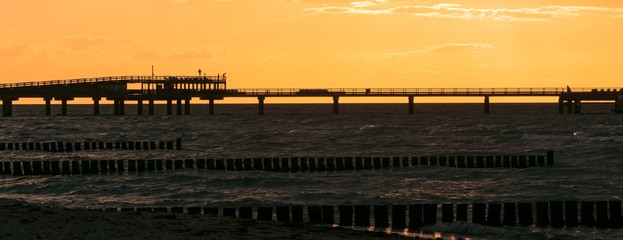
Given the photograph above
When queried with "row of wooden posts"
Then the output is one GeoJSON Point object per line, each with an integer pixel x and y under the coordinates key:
{"type": "Point", "coordinates": [303, 164]}
{"type": "Point", "coordinates": [90, 145]}
{"type": "Point", "coordinates": [555, 214]}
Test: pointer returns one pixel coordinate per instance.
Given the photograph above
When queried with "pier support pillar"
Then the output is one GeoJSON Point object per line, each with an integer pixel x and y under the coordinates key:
{"type": "Point", "coordinates": [569, 106]}
{"type": "Point", "coordinates": [64, 107]}
{"type": "Point", "coordinates": [179, 106]}
{"type": "Point", "coordinates": [577, 107]}
{"type": "Point", "coordinates": [336, 104]}
{"type": "Point", "coordinates": [48, 106]}
{"type": "Point", "coordinates": [260, 109]}
{"type": "Point", "coordinates": [187, 106]}
{"type": "Point", "coordinates": [169, 106]}
{"type": "Point", "coordinates": [96, 106]}
{"type": "Point", "coordinates": [561, 105]}
{"type": "Point", "coordinates": [151, 107]}
{"type": "Point", "coordinates": [7, 107]}
{"type": "Point", "coordinates": [618, 105]}
{"type": "Point", "coordinates": [211, 106]}
{"type": "Point", "coordinates": [410, 105]}
{"type": "Point", "coordinates": [486, 104]}
{"type": "Point", "coordinates": [139, 107]}
{"type": "Point", "coordinates": [119, 107]}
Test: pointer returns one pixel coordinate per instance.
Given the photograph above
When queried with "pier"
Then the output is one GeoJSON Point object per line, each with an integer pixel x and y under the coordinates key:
{"type": "Point", "coordinates": [180, 90]}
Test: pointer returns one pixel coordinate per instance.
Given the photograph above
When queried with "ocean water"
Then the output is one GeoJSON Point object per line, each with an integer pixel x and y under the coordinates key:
{"type": "Point", "coordinates": [588, 149]}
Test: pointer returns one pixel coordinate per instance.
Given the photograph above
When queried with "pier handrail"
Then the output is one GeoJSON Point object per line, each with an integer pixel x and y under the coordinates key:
{"type": "Point", "coordinates": [130, 79]}
{"type": "Point", "coordinates": [403, 91]}
{"type": "Point", "coordinates": [320, 91]}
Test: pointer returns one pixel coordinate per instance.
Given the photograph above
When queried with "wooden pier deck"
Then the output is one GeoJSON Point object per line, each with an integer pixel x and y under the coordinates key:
{"type": "Point", "coordinates": [182, 89]}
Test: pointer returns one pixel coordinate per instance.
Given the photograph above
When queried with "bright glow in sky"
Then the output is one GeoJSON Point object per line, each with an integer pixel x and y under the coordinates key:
{"type": "Point", "coordinates": [319, 43]}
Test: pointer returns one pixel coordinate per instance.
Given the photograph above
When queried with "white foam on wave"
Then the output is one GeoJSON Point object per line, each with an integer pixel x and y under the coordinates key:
{"type": "Point", "coordinates": [595, 137]}
{"type": "Point", "coordinates": [367, 127]}
{"type": "Point", "coordinates": [544, 137]}
{"type": "Point", "coordinates": [490, 126]}
{"type": "Point", "coordinates": [444, 128]}
{"type": "Point", "coordinates": [606, 127]}
{"type": "Point", "coordinates": [296, 131]}
{"type": "Point", "coordinates": [467, 230]}
{"type": "Point", "coordinates": [310, 132]}
{"type": "Point", "coordinates": [579, 134]}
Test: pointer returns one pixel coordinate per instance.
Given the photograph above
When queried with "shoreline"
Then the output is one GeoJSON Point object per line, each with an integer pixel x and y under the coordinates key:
{"type": "Point", "coordinates": [39, 222]}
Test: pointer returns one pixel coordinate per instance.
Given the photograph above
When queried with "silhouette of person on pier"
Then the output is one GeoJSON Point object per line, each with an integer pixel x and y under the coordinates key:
{"type": "Point", "coordinates": [199, 72]}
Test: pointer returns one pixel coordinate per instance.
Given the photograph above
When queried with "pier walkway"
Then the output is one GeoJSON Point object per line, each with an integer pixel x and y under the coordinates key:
{"type": "Point", "coordinates": [182, 89]}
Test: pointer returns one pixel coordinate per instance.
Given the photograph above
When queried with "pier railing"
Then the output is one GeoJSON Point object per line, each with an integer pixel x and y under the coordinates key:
{"type": "Point", "coordinates": [129, 79]}
{"type": "Point", "coordinates": [403, 91]}
{"type": "Point", "coordinates": [324, 91]}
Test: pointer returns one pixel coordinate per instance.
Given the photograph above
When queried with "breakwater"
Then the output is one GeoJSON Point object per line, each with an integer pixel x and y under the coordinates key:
{"type": "Point", "coordinates": [62, 146]}
{"type": "Point", "coordinates": [554, 214]}
{"type": "Point", "coordinates": [275, 164]}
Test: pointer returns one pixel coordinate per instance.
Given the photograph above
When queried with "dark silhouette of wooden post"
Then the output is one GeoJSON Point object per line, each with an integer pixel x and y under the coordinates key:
{"type": "Point", "coordinates": [179, 106]}
{"type": "Point", "coordinates": [346, 215]}
{"type": "Point", "coordinates": [561, 105]}
{"type": "Point", "coordinates": [187, 106]}
{"type": "Point", "coordinates": [556, 214]}
{"type": "Point", "coordinates": [381, 220]}
{"type": "Point", "coordinates": [139, 107]}
{"type": "Point", "coordinates": [447, 213]}
{"type": "Point", "coordinates": [571, 214]}
{"type": "Point", "coordinates": [411, 105]}
{"type": "Point", "coordinates": [48, 106]}
{"type": "Point", "coordinates": [96, 106]}
{"type": "Point", "coordinates": [122, 106]}
{"type": "Point", "coordinates": [260, 105]}
{"type": "Point", "coordinates": [64, 107]}
{"type": "Point", "coordinates": [151, 107]}
{"type": "Point", "coordinates": [486, 104]}
{"type": "Point", "coordinates": [399, 216]}
{"type": "Point", "coordinates": [169, 106]}
{"type": "Point", "coordinates": [115, 107]}
{"type": "Point", "coordinates": [121, 103]}
{"type": "Point", "coordinates": [119, 108]}
{"type": "Point", "coordinates": [211, 106]}
{"type": "Point", "coordinates": [7, 107]}
{"type": "Point", "coordinates": [336, 104]}
{"type": "Point", "coordinates": [618, 104]}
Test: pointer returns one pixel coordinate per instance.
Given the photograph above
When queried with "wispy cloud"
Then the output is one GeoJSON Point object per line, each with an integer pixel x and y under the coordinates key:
{"type": "Point", "coordinates": [275, 56]}
{"type": "Point", "coordinates": [193, 54]}
{"type": "Point", "coordinates": [367, 3]}
{"type": "Point", "coordinates": [12, 49]}
{"type": "Point", "coordinates": [84, 42]}
{"type": "Point", "coordinates": [81, 45]}
{"type": "Point", "coordinates": [454, 48]}
{"type": "Point", "coordinates": [146, 54]}
{"type": "Point", "coordinates": [448, 10]}
{"type": "Point", "coordinates": [187, 1]}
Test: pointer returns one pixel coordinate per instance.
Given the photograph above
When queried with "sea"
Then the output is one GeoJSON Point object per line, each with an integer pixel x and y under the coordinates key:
{"type": "Point", "coordinates": [588, 151]}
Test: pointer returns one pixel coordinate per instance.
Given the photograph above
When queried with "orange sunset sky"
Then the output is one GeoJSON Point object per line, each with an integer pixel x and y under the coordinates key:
{"type": "Point", "coordinates": [319, 43]}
